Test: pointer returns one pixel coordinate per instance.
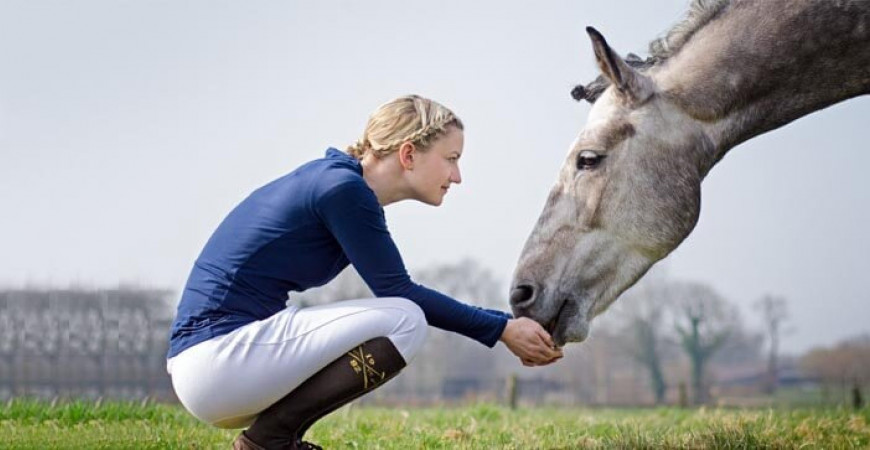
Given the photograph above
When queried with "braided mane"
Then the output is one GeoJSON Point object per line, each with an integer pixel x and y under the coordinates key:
{"type": "Point", "coordinates": [701, 12]}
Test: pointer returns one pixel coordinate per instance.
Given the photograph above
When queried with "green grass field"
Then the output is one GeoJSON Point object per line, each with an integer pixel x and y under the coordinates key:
{"type": "Point", "coordinates": [28, 424]}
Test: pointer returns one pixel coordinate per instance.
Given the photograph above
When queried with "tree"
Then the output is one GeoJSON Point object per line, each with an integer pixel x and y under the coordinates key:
{"type": "Point", "coordinates": [450, 355]}
{"type": "Point", "coordinates": [703, 323]}
{"type": "Point", "coordinates": [88, 343]}
{"type": "Point", "coordinates": [774, 311]}
{"type": "Point", "coordinates": [641, 313]}
{"type": "Point", "coordinates": [846, 365]}
{"type": "Point", "coordinates": [467, 281]}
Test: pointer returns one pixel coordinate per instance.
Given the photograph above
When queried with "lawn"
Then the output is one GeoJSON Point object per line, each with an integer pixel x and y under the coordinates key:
{"type": "Point", "coordinates": [28, 424]}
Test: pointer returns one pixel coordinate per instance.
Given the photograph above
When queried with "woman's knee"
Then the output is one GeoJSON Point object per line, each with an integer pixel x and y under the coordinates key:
{"type": "Point", "coordinates": [409, 309]}
{"type": "Point", "coordinates": [410, 332]}
{"type": "Point", "coordinates": [412, 315]}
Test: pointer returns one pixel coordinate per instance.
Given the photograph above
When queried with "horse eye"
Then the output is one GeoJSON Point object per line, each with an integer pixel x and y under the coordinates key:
{"type": "Point", "coordinates": [588, 159]}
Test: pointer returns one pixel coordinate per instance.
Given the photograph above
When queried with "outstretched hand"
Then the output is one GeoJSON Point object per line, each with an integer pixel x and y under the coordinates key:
{"type": "Point", "coordinates": [530, 342]}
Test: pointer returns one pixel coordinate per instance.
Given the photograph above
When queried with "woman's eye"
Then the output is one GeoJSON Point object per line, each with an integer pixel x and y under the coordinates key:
{"type": "Point", "coordinates": [588, 159]}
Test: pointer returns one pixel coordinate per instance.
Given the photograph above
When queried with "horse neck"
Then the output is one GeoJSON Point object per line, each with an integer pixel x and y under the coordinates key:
{"type": "Point", "coordinates": [765, 63]}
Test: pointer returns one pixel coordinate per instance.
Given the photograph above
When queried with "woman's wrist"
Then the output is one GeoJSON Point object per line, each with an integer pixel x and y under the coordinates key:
{"type": "Point", "coordinates": [508, 330]}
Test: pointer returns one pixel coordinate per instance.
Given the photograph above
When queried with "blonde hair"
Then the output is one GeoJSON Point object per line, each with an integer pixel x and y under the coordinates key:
{"type": "Point", "coordinates": [406, 119]}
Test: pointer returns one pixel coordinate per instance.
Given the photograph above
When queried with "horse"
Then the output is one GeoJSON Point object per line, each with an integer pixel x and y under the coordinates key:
{"type": "Point", "coordinates": [629, 191]}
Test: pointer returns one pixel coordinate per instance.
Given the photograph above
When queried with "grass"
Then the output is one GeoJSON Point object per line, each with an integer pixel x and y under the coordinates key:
{"type": "Point", "coordinates": [111, 425]}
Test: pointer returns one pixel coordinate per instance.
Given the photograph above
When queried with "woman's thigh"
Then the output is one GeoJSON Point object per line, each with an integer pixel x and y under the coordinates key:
{"type": "Point", "coordinates": [228, 380]}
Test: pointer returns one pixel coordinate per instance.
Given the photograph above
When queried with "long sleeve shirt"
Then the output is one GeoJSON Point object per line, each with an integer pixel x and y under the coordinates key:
{"type": "Point", "coordinates": [298, 232]}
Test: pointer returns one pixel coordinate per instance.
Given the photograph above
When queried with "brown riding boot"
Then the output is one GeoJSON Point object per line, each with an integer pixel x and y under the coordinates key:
{"type": "Point", "coordinates": [353, 374]}
{"type": "Point", "coordinates": [243, 443]}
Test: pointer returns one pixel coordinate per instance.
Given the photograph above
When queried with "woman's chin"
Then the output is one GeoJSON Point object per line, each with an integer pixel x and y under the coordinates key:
{"type": "Point", "coordinates": [434, 200]}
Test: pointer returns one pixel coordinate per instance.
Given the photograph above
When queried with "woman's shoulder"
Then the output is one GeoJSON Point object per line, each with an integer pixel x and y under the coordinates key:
{"type": "Point", "coordinates": [311, 181]}
{"type": "Point", "coordinates": [335, 167]}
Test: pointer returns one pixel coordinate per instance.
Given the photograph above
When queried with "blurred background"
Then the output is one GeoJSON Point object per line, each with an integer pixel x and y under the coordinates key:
{"type": "Point", "coordinates": [128, 130]}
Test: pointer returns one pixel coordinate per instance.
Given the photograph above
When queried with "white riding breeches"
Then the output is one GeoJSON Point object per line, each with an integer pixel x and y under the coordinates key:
{"type": "Point", "coordinates": [228, 380]}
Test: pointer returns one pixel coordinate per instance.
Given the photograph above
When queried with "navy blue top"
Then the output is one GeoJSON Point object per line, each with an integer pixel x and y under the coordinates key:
{"type": "Point", "coordinates": [299, 232]}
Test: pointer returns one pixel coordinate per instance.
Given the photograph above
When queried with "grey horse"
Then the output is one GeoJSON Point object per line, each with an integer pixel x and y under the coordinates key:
{"type": "Point", "coordinates": [629, 191]}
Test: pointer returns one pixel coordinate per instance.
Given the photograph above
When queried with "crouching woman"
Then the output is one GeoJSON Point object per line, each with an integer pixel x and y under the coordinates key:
{"type": "Point", "coordinates": [241, 356]}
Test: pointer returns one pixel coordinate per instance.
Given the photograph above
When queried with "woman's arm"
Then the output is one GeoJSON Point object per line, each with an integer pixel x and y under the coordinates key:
{"type": "Point", "coordinates": [352, 214]}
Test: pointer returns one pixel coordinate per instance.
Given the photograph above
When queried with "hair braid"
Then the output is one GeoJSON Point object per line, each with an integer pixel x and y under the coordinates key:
{"type": "Point", "coordinates": [359, 148]}
{"type": "Point", "coordinates": [407, 119]}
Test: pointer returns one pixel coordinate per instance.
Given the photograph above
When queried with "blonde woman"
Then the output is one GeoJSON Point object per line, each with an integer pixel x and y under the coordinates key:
{"type": "Point", "coordinates": [240, 356]}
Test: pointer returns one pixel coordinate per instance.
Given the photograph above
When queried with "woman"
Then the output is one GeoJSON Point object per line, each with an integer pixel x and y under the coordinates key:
{"type": "Point", "coordinates": [241, 356]}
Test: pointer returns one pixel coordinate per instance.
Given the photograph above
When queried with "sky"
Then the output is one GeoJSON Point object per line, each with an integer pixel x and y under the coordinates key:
{"type": "Point", "coordinates": [129, 129]}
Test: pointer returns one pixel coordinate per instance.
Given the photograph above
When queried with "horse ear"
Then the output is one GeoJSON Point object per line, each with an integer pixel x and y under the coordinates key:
{"type": "Point", "coordinates": [631, 84]}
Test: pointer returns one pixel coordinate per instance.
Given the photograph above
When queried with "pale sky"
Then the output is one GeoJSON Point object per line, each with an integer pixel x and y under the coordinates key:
{"type": "Point", "coordinates": [129, 129]}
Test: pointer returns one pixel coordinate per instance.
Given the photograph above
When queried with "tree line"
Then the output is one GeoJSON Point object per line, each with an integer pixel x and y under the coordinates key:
{"type": "Point", "coordinates": [84, 343]}
{"type": "Point", "coordinates": [663, 342]}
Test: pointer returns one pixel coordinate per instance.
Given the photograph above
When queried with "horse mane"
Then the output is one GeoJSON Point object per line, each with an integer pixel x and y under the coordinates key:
{"type": "Point", "coordinates": [701, 13]}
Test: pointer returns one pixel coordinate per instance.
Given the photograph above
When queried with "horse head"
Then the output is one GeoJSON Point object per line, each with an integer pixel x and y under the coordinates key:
{"type": "Point", "coordinates": [626, 196]}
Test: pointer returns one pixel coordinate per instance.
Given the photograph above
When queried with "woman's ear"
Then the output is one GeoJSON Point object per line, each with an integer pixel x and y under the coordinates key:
{"type": "Point", "coordinates": [406, 155]}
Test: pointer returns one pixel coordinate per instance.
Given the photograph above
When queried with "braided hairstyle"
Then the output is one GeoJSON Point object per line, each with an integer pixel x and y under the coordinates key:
{"type": "Point", "coordinates": [406, 119]}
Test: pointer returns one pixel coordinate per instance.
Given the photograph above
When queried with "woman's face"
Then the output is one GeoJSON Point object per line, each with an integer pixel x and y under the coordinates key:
{"type": "Point", "coordinates": [436, 169]}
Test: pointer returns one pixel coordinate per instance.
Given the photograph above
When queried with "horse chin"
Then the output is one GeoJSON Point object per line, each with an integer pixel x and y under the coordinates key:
{"type": "Point", "coordinates": [569, 325]}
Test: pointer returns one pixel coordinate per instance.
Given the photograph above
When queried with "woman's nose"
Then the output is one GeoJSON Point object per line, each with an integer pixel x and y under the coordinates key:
{"type": "Point", "coordinates": [456, 177]}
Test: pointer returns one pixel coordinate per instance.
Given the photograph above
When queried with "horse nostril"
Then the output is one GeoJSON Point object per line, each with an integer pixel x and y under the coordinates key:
{"type": "Point", "coordinates": [521, 295]}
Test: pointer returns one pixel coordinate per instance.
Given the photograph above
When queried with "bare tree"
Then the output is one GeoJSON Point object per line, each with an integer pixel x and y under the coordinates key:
{"type": "Point", "coordinates": [467, 281]}
{"type": "Point", "coordinates": [774, 311]}
{"type": "Point", "coordinates": [85, 343]}
{"type": "Point", "coordinates": [641, 314]}
{"type": "Point", "coordinates": [448, 356]}
{"type": "Point", "coordinates": [703, 322]}
{"type": "Point", "coordinates": [846, 365]}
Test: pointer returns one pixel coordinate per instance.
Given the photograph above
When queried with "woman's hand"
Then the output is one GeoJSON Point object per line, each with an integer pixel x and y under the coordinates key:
{"type": "Point", "coordinates": [529, 341]}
